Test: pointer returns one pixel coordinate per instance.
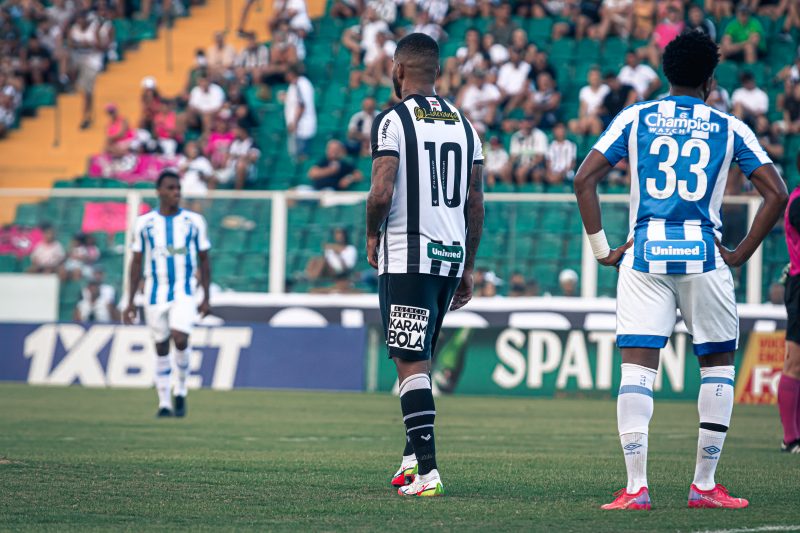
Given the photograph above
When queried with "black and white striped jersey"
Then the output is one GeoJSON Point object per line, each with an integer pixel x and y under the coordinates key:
{"type": "Point", "coordinates": [426, 230]}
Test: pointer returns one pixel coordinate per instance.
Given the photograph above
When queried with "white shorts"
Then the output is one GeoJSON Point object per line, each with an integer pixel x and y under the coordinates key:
{"type": "Point", "coordinates": [178, 315]}
{"type": "Point", "coordinates": [647, 304]}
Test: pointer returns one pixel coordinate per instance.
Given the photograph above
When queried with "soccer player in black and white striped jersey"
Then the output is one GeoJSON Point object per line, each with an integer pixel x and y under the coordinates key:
{"type": "Point", "coordinates": [424, 224]}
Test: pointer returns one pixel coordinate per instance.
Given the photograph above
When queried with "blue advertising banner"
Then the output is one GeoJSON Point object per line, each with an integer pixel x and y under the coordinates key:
{"type": "Point", "coordinates": [223, 358]}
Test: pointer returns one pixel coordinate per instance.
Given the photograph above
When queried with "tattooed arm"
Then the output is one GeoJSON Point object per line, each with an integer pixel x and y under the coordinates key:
{"type": "Point", "coordinates": [475, 215]}
{"type": "Point", "coordinates": [379, 201]}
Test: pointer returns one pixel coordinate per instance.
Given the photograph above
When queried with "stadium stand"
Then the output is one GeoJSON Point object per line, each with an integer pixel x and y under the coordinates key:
{"type": "Point", "coordinates": [497, 65]}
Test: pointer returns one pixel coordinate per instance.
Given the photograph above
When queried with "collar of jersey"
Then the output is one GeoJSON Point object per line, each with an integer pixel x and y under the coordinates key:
{"type": "Point", "coordinates": [180, 210]}
{"type": "Point", "coordinates": [685, 100]}
{"type": "Point", "coordinates": [414, 95]}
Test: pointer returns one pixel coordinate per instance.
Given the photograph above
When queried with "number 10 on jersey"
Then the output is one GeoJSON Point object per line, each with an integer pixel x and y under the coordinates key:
{"type": "Point", "coordinates": [443, 163]}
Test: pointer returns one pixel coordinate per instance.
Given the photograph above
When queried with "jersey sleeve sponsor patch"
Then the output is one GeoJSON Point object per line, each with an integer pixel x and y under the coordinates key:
{"type": "Point", "coordinates": [385, 136]}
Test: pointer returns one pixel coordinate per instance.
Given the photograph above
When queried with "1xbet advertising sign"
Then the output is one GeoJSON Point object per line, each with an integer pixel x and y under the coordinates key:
{"type": "Point", "coordinates": [260, 356]}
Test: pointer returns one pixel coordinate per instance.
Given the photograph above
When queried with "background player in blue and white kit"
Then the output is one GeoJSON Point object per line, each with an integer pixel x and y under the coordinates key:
{"type": "Point", "coordinates": [679, 151]}
{"type": "Point", "coordinates": [172, 245]}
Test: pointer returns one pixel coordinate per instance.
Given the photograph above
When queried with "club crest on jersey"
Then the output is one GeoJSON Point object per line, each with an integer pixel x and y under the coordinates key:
{"type": "Point", "coordinates": [407, 327]}
{"type": "Point", "coordinates": [674, 250]}
{"type": "Point", "coordinates": [435, 114]}
{"type": "Point", "coordinates": [659, 124]}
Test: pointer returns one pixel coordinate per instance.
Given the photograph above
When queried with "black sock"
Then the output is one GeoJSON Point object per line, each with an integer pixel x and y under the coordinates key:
{"type": "Point", "coordinates": [409, 449]}
{"type": "Point", "coordinates": [419, 411]}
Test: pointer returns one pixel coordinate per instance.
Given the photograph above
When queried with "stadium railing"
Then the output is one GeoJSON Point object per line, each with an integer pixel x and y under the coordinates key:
{"type": "Point", "coordinates": [279, 231]}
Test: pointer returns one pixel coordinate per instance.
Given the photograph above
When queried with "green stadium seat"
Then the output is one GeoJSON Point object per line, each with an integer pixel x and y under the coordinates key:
{"type": "Point", "coordinates": [8, 263]}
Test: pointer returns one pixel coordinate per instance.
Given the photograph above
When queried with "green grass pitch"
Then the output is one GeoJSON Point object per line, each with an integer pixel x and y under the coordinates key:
{"type": "Point", "coordinates": [82, 459]}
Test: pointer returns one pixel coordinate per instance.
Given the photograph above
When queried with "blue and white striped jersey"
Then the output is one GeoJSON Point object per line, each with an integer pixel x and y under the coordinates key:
{"type": "Point", "coordinates": [679, 151]}
{"type": "Point", "coordinates": [170, 246]}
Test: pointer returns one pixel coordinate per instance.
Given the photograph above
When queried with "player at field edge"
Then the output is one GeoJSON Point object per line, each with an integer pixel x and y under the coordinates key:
{"type": "Point", "coordinates": [789, 384]}
{"type": "Point", "coordinates": [171, 243]}
{"type": "Point", "coordinates": [680, 152]}
{"type": "Point", "coordinates": [424, 223]}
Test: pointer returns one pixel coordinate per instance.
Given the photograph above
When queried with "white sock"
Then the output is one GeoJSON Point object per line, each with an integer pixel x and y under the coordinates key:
{"type": "Point", "coordinates": [715, 405]}
{"type": "Point", "coordinates": [634, 410]}
{"type": "Point", "coordinates": [163, 371]}
{"type": "Point", "coordinates": [409, 459]}
{"type": "Point", "coordinates": [182, 364]}
{"type": "Point", "coordinates": [433, 474]}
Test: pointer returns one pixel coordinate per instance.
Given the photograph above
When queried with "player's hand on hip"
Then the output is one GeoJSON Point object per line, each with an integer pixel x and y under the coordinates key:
{"type": "Point", "coordinates": [129, 315]}
{"type": "Point", "coordinates": [372, 250]}
{"type": "Point", "coordinates": [464, 292]}
{"type": "Point", "coordinates": [614, 256]}
{"type": "Point", "coordinates": [731, 257]}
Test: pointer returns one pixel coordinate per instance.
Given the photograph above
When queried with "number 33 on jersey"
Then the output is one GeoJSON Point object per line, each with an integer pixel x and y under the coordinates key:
{"type": "Point", "coordinates": [680, 151]}
{"type": "Point", "coordinates": [426, 230]}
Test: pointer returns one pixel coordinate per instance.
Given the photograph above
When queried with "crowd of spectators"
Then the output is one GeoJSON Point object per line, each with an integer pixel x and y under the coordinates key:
{"type": "Point", "coordinates": [63, 43]}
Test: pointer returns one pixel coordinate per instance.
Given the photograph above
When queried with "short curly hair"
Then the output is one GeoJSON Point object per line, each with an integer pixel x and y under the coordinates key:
{"type": "Point", "coordinates": [690, 59]}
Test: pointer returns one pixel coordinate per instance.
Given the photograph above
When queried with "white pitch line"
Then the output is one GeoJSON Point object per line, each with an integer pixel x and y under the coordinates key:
{"type": "Point", "coordinates": [753, 529]}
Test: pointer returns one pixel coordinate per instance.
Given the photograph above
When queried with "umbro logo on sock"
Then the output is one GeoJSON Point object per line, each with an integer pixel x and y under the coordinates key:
{"type": "Point", "coordinates": [632, 446]}
{"type": "Point", "coordinates": [426, 438]}
{"type": "Point", "coordinates": [711, 450]}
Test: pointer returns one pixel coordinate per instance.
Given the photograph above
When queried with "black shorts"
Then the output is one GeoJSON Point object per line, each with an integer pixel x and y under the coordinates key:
{"type": "Point", "coordinates": [413, 308]}
{"type": "Point", "coordinates": [791, 297]}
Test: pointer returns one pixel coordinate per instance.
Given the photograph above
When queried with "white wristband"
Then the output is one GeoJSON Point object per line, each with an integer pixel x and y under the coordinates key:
{"type": "Point", "coordinates": [599, 244]}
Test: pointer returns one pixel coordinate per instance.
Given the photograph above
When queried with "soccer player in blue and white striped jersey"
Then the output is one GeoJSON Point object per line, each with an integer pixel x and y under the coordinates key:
{"type": "Point", "coordinates": [679, 150]}
{"type": "Point", "coordinates": [172, 245]}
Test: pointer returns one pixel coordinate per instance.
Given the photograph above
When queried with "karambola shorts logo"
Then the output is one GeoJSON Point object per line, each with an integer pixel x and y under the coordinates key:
{"type": "Point", "coordinates": [408, 327]}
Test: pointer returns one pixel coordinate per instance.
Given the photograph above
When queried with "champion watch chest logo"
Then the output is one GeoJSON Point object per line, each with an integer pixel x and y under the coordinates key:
{"type": "Point", "coordinates": [681, 125]}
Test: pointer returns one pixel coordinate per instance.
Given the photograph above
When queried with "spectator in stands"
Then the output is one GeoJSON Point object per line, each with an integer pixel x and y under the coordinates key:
{"type": "Point", "coordinates": [221, 57]}
{"type": "Point", "coordinates": [719, 98]}
{"type": "Point", "coordinates": [338, 259]}
{"type": "Point", "coordinates": [791, 110]}
{"type": "Point", "coordinates": [512, 80]}
{"type": "Point", "coordinates": [359, 128]}
{"type": "Point", "coordinates": [528, 151]}
{"type": "Point", "coordinates": [166, 129]}
{"type": "Point", "coordinates": [119, 134]}
{"type": "Point", "coordinates": [463, 9]}
{"type": "Point", "coordinates": [615, 19]}
{"type": "Point", "coordinates": [581, 19]}
{"type": "Point", "coordinates": [639, 76]}
{"type": "Point", "coordinates": [744, 38]}
{"type": "Point", "coordinates": [568, 283]}
{"type": "Point", "coordinates": [591, 103]}
{"type": "Point", "coordinates": [347, 9]}
{"type": "Point", "coordinates": [283, 54]}
{"type": "Point", "coordinates": [619, 97]}
{"type": "Point", "coordinates": [560, 157]}
{"type": "Point", "coordinates": [545, 102]}
{"type": "Point", "coordinates": [8, 109]}
{"type": "Point", "coordinates": [749, 101]}
{"type": "Point", "coordinates": [300, 113]}
{"type": "Point", "coordinates": [253, 59]}
{"type": "Point", "coordinates": [479, 99]}
{"type": "Point", "coordinates": [643, 19]}
{"type": "Point", "coordinates": [48, 255]}
{"type": "Point", "coordinates": [468, 58]}
{"type": "Point", "coordinates": [240, 160]}
{"type": "Point", "coordinates": [37, 62]}
{"type": "Point", "coordinates": [424, 24]}
{"type": "Point", "coordinates": [496, 52]}
{"type": "Point", "coordinates": [776, 293]}
{"type": "Point", "coordinates": [519, 287]}
{"type": "Point", "coordinates": [219, 139]}
{"type": "Point", "coordinates": [377, 63]}
{"type": "Point", "coordinates": [333, 172]}
{"type": "Point", "coordinates": [82, 255]}
{"type": "Point", "coordinates": [197, 174]}
{"type": "Point", "coordinates": [769, 137]}
{"type": "Point", "coordinates": [719, 9]}
{"type": "Point", "coordinates": [86, 60]}
{"type": "Point", "coordinates": [294, 13]}
{"type": "Point", "coordinates": [94, 306]}
{"type": "Point", "coordinates": [697, 21]}
{"type": "Point", "coordinates": [502, 26]}
{"type": "Point", "coordinates": [362, 40]}
{"type": "Point", "coordinates": [540, 62]}
{"type": "Point", "coordinates": [205, 101]}
{"type": "Point", "coordinates": [665, 32]}
{"type": "Point", "coordinates": [150, 102]}
{"type": "Point", "coordinates": [495, 166]}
